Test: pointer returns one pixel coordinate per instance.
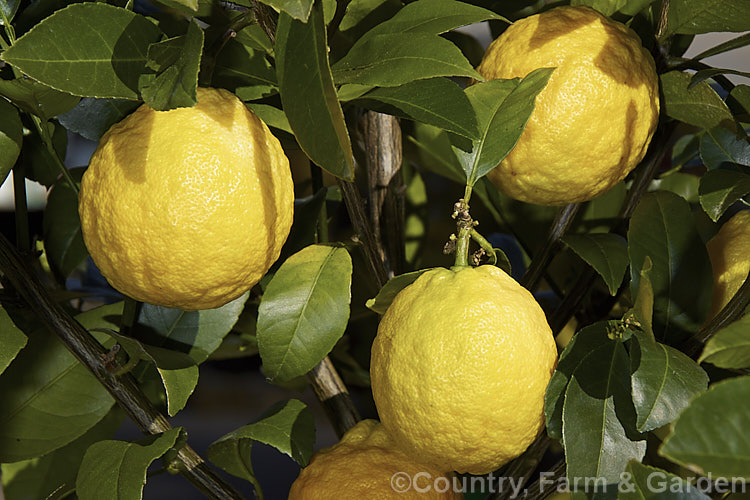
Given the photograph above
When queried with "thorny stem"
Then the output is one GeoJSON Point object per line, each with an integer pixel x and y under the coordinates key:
{"type": "Point", "coordinates": [91, 354]}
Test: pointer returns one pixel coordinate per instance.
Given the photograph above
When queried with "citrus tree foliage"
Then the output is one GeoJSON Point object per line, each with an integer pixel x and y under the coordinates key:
{"type": "Point", "coordinates": [646, 382]}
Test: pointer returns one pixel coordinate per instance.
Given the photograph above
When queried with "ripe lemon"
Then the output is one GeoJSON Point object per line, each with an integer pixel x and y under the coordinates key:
{"type": "Point", "coordinates": [593, 121]}
{"type": "Point", "coordinates": [187, 208]}
{"type": "Point", "coordinates": [459, 368]}
{"type": "Point", "coordinates": [366, 465]}
{"type": "Point", "coordinates": [729, 251]}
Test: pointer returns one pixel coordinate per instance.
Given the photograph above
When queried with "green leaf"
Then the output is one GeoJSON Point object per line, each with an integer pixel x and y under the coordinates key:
{"type": "Point", "coordinates": [304, 311]}
{"type": "Point", "coordinates": [288, 426]}
{"type": "Point", "coordinates": [734, 43]}
{"type": "Point", "coordinates": [86, 49]}
{"type": "Point", "coordinates": [304, 225]}
{"type": "Point", "coordinates": [9, 9]}
{"type": "Point", "coordinates": [662, 227]}
{"type": "Point", "coordinates": [710, 436]}
{"type": "Point", "coordinates": [41, 166]}
{"type": "Point", "coordinates": [719, 189]}
{"type": "Point", "coordinates": [607, 253]}
{"type": "Point", "coordinates": [11, 137]}
{"type": "Point", "coordinates": [719, 146]}
{"type": "Point", "coordinates": [700, 105]}
{"type": "Point", "coordinates": [36, 98]}
{"type": "Point", "coordinates": [502, 107]}
{"type": "Point", "coordinates": [643, 308]}
{"type": "Point", "coordinates": [649, 483]}
{"type": "Point", "coordinates": [432, 17]}
{"type": "Point", "coordinates": [241, 67]}
{"type": "Point", "coordinates": [56, 472]}
{"type": "Point", "coordinates": [63, 240]}
{"type": "Point", "coordinates": [271, 116]}
{"type": "Point", "coordinates": [609, 7]}
{"type": "Point", "coordinates": [49, 398]}
{"type": "Point", "coordinates": [730, 346]}
{"type": "Point", "coordinates": [663, 381]}
{"type": "Point", "coordinates": [175, 63]}
{"type": "Point", "coordinates": [395, 59]}
{"type": "Point", "coordinates": [385, 296]}
{"type": "Point", "coordinates": [691, 17]}
{"type": "Point", "coordinates": [682, 184]}
{"type": "Point", "coordinates": [584, 342]}
{"type": "Point", "coordinates": [92, 117]}
{"type": "Point", "coordinates": [178, 371]}
{"type": "Point", "coordinates": [707, 73]}
{"type": "Point", "coordinates": [435, 101]}
{"type": "Point", "coordinates": [11, 341]}
{"type": "Point", "coordinates": [196, 333]}
{"type": "Point", "coordinates": [116, 470]}
{"type": "Point", "coordinates": [308, 95]}
{"type": "Point", "coordinates": [597, 416]}
{"type": "Point", "coordinates": [297, 9]}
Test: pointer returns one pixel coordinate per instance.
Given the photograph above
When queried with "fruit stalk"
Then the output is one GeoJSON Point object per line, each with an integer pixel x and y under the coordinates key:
{"type": "Point", "coordinates": [91, 354]}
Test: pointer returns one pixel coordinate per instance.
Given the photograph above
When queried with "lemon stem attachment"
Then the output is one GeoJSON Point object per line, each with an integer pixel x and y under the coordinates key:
{"type": "Point", "coordinates": [465, 225]}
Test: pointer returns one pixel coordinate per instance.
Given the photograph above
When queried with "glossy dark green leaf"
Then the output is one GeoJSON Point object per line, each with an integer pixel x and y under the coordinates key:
{"type": "Point", "coordinates": [719, 189]}
{"type": "Point", "coordinates": [710, 436]}
{"type": "Point", "coordinates": [719, 146]}
{"type": "Point", "coordinates": [87, 49]}
{"type": "Point", "coordinates": [739, 102]}
{"type": "Point", "coordinates": [304, 225]}
{"type": "Point", "coordinates": [41, 166]}
{"type": "Point", "coordinates": [432, 17]}
{"type": "Point", "coordinates": [700, 105]}
{"type": "Point", "coordinates": [575, 353]}
{"type": "Point", "coordinates": [172, 79]}
{"type": "Point", "coordinates": [385, 296]}
{"type": "Point", "coordinates": [598, 417]}
{"type": "Point", "coordinates": [308, 95]}
{"type": "Point", "coordinates": [36, 98]}
{"type": "Point", "coordinates": [304, 310]}
{"type": "Point", "coordinates": [649, 483]}
{"type": "Point", "coordinates": [609, 7]}
{"type": "Point", "coordinates": [241, 67]}
{"type": "Point", "coordinates": [9, 9]}
{"type": "Point", "coordinates": [435, 101]}
{"type": "Point", "coordinates": [502, 108]}
{"type": "Point", "coordinates": [271, 116]}
{"type": "Point", "coordinates": [691, 17]}
{"type": "Point", "coordinates": [90, 118]}
{"type": "Point", "coordinates": [730, 346]}
{"type": "Point", "coordinates": [196, 333]}
{"type": "Point", "coordinates": [663, 381]}
{"type": "Point", "coordinates": [297, 9]}
{"type": "Point", "coordinates": [63, 240]}
{"type": "Point", "coordinates": [607, 253]}
{"type": "Point", "coordinates": [116, 470]}
{"type": "Point", "coordinates": [682, 184]}
{"type": "Point", "coordinates": [11, 136]}
{"type": "Point", "coordinates": [11, 341]}
{"type": "Point", "coordinates": [288, 426]}
{"type": "Point", "coordinates": [178, 371]}
{"type": "Point", "coordinates": [56, 472]}
{"type": "Point", "coordinates": [49, 398]}
{"type": "Point", "coordinates": [708, 73]}
{"type": "Point", "coordinates": [394, 59]}
{"type": "Point", "coordinates": [662, 227]}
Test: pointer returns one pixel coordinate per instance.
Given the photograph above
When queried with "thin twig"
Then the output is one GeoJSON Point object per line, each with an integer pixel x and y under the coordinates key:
{"type": "Point", "coordinates": [560, 225]}
{"type": "Point", "coordinates": [522, 467]}
{"type": "Point", "coordinates": [90, 353]}
{"type": "Point", "coordinates": [266, 19]}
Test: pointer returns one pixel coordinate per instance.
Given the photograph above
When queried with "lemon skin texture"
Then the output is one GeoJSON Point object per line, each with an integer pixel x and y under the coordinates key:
{"type": "Point", "coordinates": [362, 465]}
{"type": "Point", "coordinates": [459, 368]}
{"type": "Point", "coordinates": [592, 123]}
{"type": "Point", "coordinates": [187, 208]}
{"type": "Point", "coordinates": [729, 251]}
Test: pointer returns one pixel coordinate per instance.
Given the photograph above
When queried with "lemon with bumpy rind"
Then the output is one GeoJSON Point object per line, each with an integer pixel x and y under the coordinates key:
{"type": "Point", "coordinates": [729, 251]}
{"type": "Point", "coordinates": [459, 368]}
{"type": "Point", "coordinates": [592, 123]}
{"type": "Point", "coordinates": [187, 208]}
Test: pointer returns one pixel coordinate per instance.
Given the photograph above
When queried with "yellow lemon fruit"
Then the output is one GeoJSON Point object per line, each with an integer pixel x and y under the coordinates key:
{"type": "Point", "coordinates": [592, 123]}
{"type": "Point", "coordinates": [459, 368]}
{"type": "Point", "coordinates": [187, 208]}
{"type": "Point", "coordinates": [366, 465]}
{"type": "Point", "coordinates": [729, 251]}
